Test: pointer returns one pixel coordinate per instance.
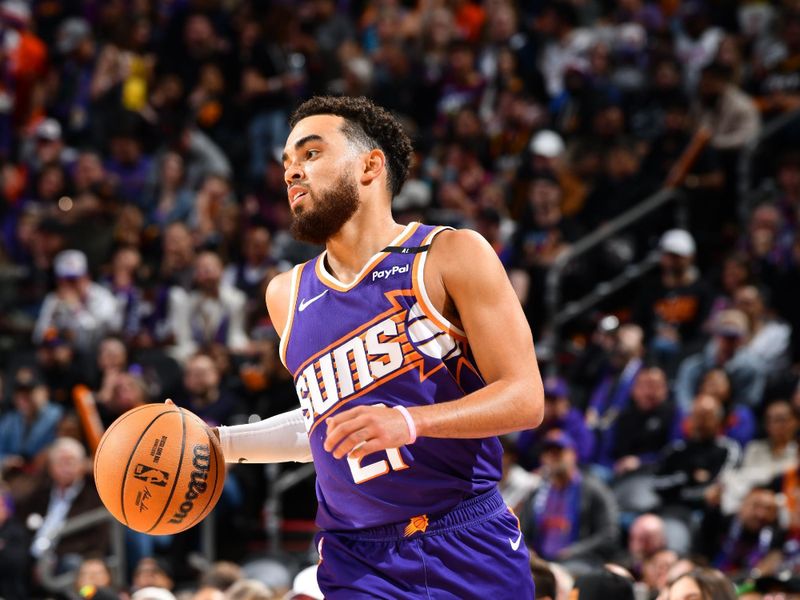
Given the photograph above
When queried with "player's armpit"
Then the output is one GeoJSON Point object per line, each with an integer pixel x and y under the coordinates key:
{"type": "Point", "coordinates": [277, 300]}
{"type": "Point", "coordinates": [463, 268]}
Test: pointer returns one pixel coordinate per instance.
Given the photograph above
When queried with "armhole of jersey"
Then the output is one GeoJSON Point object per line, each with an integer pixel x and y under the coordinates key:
{"type": "Point", "coordinates": [287, 328]}
{"type": "Point", "coordinates": [421, 294]}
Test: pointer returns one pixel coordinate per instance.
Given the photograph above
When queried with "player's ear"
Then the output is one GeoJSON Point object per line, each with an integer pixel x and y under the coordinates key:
{"type": "Point", "coordinates": [374, 166]}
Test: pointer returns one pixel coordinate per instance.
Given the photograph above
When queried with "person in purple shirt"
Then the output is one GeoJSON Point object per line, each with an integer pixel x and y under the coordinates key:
{"type": "Point", "coordinates": [558, 414]}
{"type": "Point", "coordinates": [573, 517]}
{"type": "Point", "coordinates": [129, 166]}
{"type": "Point", "coordinates": [410, 355]}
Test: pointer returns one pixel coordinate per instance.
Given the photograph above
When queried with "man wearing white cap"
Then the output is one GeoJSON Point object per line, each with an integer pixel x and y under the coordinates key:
{"type": "Point", "coordinates": [79, 308]}
{"type": "Point", "coordinates": [672, 308]}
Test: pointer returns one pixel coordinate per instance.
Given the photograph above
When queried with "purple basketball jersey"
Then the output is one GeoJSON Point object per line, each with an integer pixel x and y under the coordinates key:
{"type": "Point", "coordinates": [379, 340]}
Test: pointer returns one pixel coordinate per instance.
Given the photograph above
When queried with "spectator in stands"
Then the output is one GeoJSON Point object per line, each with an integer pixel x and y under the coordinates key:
{"type": "Point", "coordinates": [177, 262]}
{"type": "Point", "coordinates": [221, 575]}
{"type": "Point", "coordinates": [645, 427]}
{"type": "Point", "coordinates": [205, 396]}
{"type": "Point", "coordinates": [75, 93]}
{"type": "Point", "coordinates": [129, 166]}
{"type": "Point", "coordinates": [249, 589]}
{"type": "Point", "coordinates": [740, 423]}
{"type": "Point", "coordinates": [152, 573]}
{"type": "Point", "coordinates": [656, 568]}
{"type": "Point", "coordinates": [612, 394]}
{"type": "Point", "coordinates": [703, 584]}
{"type": "Point", "coordinates": [727, 350]}
{"type": "Point", "coordinates": [27, 430]}
{"type": "Point", "coordinates": [671, 309]}
{"type": "Point", "coordinates": [646, 536]}
{"type": "Point", "coordinates": [738, 544]}
{"type": "Point", "coordinates": [213, 313]}
{"type": "Point", "coordinates": [79, 309]}
{"type": "Point", "coordinates": [122, 282]}
{"type": "Point", "coordinates": [735, 273]}
{"type": "Point", "coordinates": [766, 242]}
{"type": "Point", "coordinates": [49, 148]}
{"type": "Point", "coordinates": [763, 459]}
{"type": "Point", "coordinates": [213, 198]}
{"type": "Point", "coordinates": [769, 337]}
{"type": "Point", "coordinates": [689, 466]}
{"type": "Point", "coordinates": [728, 112]}
{"type": "Point", "coordinates": [92, 572]}
{"type": "Point", "coordinates": [558, 414]}
{"type": "Point", "coordinates": [68, 492]}
{"type": "Point", "coordinates": [572, 518]}
{"type": "Point", "coordinates": [602, 584]}
{"type": "Point", "coordinates": [169, 200]}
{"type": "Point", "coordinates": [255, 267]}
{"type": "Point", "coordinates": [128, 391]}
{"type": "Point", "coordinates": [112, 359]}
{"type": "Point", "coordinates": [705, 175]}
{"type": "Point", "coordinates": [13, 551]}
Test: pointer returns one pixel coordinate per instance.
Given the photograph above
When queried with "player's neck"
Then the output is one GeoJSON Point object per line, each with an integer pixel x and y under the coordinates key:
{"type": "Point", "coordinates": [366, 234]}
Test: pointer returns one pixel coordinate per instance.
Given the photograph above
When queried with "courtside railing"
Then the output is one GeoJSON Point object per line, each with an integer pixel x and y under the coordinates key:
{"type": "Point", "coordinates": [558, 315]}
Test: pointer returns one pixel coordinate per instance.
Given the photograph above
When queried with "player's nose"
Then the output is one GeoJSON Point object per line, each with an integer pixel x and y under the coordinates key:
{"type": "Point", "coordinates": [292, 174]}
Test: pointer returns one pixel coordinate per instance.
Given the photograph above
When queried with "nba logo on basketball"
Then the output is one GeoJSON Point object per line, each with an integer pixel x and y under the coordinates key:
{"type": "Point", "coordinates": [151, 475]}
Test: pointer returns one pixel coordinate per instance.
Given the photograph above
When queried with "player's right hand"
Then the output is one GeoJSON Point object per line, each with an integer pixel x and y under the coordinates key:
{"type": "Point", "coordinates": [365, 429]}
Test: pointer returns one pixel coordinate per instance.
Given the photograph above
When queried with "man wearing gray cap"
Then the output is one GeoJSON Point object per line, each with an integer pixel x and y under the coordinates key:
{"type": "Point", "coordinates": [79, 309]}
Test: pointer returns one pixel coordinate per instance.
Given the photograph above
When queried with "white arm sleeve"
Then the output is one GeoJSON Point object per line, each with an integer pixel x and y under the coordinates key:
{"type": "Point", "coordinates": [281, 438]}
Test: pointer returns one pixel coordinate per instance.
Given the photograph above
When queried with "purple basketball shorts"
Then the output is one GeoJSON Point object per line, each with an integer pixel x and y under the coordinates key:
{"type": "Point", "coordinates": [474, 551]}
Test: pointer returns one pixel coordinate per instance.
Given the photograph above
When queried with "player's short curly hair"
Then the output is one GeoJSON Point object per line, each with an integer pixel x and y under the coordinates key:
{"type": "Point", "coordinates": [369, 125]}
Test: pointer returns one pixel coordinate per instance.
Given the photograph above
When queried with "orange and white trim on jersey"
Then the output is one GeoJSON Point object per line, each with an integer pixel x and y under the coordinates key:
{"type": "Point", "coordinates": [418, 285]}
{"type": "Point", "coordinates": [333, 283]}
{"type": "Point", "coordinates": [287, 328]}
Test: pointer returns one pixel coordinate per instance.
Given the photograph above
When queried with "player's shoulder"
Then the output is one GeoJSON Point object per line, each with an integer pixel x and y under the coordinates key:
{"type": "Point", "coordinates": [461, 250]}
{"type": "Point", "coordinates": [279, 287]}
{"type": "Point", "coordinates": [459, 243]}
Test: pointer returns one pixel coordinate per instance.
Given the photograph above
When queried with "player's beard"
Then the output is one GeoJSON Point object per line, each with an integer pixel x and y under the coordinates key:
{"type": "Point", "coordinates": [327, 211]}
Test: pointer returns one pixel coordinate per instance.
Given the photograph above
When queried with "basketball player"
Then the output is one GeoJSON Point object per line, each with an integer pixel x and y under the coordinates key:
{"type": "Point", "coordinates": [410, 354]}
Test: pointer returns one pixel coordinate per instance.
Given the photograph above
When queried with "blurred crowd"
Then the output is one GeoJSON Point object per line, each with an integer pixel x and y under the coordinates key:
{"type": "Point", "coordinates": [144, 211]}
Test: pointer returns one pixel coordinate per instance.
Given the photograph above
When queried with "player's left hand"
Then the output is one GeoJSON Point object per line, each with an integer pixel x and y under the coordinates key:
{"type": "Point", "coordinates": [365, 429]}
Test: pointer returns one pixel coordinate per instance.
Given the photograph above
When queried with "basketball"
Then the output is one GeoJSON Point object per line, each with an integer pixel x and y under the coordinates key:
{"type": "Point", "coordinates": [159, 469]}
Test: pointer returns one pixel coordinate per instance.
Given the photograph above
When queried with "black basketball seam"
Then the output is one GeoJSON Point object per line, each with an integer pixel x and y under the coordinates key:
{"type": "Point", "coordinates": [119, 420]}
{"type": "Point", "coordinates": [213, 449]}
{"type": "Point", "coordinates": [128, 465]}
{"type": "Point", "coordinates": [177, 472]}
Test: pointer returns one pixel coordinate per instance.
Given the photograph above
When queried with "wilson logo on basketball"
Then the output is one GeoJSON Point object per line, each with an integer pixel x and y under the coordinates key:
{"type": "Point", "coordinates": [151, 475]}
{"type": "Point", "coordinates": [197, 484]}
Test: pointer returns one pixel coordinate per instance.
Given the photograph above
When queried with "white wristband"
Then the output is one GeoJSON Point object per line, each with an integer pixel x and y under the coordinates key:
{"type": "Point", "coordinates": [412, 429]}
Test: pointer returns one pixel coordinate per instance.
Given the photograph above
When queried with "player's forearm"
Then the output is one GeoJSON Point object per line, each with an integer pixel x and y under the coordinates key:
{"type": "Point", "coordinates": [281, 438]}
{"type": "Point", "coordinates": [500, 407]}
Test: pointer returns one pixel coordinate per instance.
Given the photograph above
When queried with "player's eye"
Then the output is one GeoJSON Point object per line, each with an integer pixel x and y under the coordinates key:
{"type": "Point", "coordinates": [311, 153]}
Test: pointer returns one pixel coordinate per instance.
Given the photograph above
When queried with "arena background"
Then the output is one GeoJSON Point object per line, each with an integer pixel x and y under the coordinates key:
{"type": "Point", "coordinates": [636, 165]}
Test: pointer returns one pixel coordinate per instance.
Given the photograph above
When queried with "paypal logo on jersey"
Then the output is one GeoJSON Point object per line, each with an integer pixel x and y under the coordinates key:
{"type": "Point", "coordinates": [386, 273]}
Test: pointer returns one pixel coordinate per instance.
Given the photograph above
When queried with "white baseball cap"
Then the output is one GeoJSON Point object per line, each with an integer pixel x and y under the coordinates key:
{"type": "Point", "coordinates": [677, 241]}
{"type": "Point", "coordinates": [48, 129]}
{"type": "Point", "coordinates": [70, 263]}
{"type": "Point", "coordinates": [547, 143]}
{"type": "Point", "coordinates": [153, 593]}
{"type": "Point", "coordinates": [305, 585]}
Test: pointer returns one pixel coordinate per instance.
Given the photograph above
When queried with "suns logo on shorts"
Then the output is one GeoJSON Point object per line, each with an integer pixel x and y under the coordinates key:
{"type": "Point", "coordinates": [416, 524]}
{"type": "Point", "coordinates": [394, 342]}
